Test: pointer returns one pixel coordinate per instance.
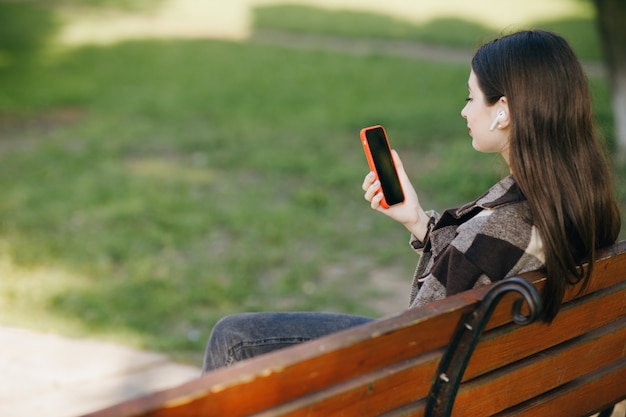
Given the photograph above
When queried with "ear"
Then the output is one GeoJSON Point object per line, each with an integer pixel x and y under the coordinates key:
{"type": "Point", "coordinates": [503, 106]}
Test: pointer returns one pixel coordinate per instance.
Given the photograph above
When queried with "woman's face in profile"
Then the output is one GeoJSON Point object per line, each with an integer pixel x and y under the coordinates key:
{"type": "Point", "coordinates": [480, 118]}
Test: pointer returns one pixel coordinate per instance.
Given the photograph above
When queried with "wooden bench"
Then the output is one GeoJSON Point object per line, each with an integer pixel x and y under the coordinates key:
{"type": "Point", "coordinates": [408, 364]}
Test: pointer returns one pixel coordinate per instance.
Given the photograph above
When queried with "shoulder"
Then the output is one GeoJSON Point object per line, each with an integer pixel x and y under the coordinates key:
{"type": "Point", "coordinates": [500, 241]}
{"type": "Point", "coordinates": [507, 223]}
{"type": "Point", "coordinates": [505, 215]}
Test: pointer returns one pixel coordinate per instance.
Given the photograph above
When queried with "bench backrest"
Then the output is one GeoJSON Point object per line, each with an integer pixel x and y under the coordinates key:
{"type": "Point", "coordinates": [575, 366]}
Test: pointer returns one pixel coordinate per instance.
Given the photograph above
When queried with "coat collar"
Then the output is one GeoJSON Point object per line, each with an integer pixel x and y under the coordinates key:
{"type": "Point", "coordinates": [506, 191]}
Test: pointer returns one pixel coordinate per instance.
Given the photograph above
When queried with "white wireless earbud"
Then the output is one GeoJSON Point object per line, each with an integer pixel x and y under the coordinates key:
{"type": "Point", "coordinates": [501, 115]}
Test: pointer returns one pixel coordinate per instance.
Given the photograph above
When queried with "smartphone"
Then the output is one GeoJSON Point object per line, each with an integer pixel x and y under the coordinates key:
{"type": "Point", "coordinates": [378, 153]}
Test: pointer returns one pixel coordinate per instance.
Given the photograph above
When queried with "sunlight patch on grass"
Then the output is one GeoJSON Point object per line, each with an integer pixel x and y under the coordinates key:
{"type": "Point", "coordinates": [496, 14]}
{"type": "Point", "coordinates": [172, 19]}
{"type": "Point", "coordinates": [26, 290]}
{"type": "Point", "coordinates": [232, 19]}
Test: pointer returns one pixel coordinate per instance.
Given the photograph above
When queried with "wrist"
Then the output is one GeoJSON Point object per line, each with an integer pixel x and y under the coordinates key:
{"type": "Point", "coordinates": [419, 227]}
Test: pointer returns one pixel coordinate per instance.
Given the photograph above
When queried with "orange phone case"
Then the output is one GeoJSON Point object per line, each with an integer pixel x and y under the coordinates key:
{"type": "Point", "coordinates": [372, 165]}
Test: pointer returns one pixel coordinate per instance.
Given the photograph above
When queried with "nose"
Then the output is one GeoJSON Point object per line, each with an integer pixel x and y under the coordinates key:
{"type": "Point", "coordinates": [463, 113]}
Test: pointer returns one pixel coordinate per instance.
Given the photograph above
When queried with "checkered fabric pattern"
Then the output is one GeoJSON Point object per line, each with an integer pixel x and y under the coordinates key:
{"type": "Point", "coordinates": [487, 240]}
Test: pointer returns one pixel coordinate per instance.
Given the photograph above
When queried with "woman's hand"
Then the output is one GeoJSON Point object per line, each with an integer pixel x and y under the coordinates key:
{"type": "Point", "coordinates": [409, 213]}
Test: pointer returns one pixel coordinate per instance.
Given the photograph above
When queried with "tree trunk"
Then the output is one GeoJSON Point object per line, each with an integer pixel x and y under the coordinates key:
{"type": "Point", "coordinates": [612, 26]}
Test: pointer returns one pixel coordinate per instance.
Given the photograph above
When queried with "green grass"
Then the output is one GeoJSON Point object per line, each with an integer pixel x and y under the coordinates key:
{"type": "Point", "coordinates": [150, 187]}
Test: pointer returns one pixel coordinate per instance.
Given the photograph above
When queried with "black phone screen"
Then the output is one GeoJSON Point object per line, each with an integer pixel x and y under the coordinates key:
{"type": "Point", "coordinates": [385, 168]}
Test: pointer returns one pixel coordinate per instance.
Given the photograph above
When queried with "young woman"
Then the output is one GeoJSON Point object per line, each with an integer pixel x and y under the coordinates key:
{"type": "Point", "coordinates": [529, 102]}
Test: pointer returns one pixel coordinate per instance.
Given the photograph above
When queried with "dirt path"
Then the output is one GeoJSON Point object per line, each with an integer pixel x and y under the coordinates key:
{"type": "Point", "coordinates": [355, 46]}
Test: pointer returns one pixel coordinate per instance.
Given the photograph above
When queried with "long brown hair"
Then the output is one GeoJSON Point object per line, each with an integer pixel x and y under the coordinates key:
{"type": "Point", "coordinates": [555, 153]}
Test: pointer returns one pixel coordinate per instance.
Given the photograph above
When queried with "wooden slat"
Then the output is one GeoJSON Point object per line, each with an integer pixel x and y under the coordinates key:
{"type": "Point", "coordinates": [370, 394]}
{"type": "Point", "coordinates": [581, 397]}
{"type": "Point", "coordinates": [521, 381]}
{"type": "Point", "coordinates": [514, 384]}
{"type": "Point", "coordinates": [404, 383]}
{"type": "Point", "coordinates": [609, 269]}
{"type": "Point", "coordinates": [510, 344]}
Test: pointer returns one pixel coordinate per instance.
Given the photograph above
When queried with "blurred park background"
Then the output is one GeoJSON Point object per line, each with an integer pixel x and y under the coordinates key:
{"type": "Point", "coordinates": [166, 162]}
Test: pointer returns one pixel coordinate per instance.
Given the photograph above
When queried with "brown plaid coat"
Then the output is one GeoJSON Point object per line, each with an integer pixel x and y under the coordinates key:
{"type": "Point", "coordinates": [489, 239]}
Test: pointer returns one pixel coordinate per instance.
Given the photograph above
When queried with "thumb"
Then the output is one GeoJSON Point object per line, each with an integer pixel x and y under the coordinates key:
{"type": "Point", "coordinates": [398, 162]}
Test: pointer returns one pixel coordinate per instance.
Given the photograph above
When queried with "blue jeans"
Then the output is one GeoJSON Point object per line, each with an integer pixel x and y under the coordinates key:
{"type": "Point", "coordinates": [242, 336]}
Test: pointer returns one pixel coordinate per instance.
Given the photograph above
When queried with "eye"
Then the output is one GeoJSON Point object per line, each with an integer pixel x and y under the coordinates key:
{"type": "Point", "coordinates": [469, 99]}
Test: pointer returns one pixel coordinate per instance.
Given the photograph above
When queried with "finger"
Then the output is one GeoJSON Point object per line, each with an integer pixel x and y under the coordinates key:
{"type": "Point", "coordinates": [398, 162]}
{"type": "Point", "coordinates": [404, 178]}
{"type": "Point", "coordinates": [396, 158]}
{"type": "Point", "coordinates": [368, 180]}
{"type": "Point", "coordinates": [375, 203]}
{"type": "Point", "coordinates": [372, 190]}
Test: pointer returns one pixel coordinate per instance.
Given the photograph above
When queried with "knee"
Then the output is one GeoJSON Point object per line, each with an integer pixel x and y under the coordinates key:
{"type": "Point", "coordinates": [221, 333]}
{"type": "Point", "coordinates": [227, 332]}
{"type": "Point", "coordinates": [229, 328]}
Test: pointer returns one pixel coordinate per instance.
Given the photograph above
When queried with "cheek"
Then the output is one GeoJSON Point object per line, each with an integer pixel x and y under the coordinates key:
{"type": "Point", "coordinates": [472, 116]}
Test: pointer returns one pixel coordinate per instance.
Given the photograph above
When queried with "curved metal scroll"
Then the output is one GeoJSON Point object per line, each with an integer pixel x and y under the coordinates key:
{"type": "Point", "coordinates": [452, 366]}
